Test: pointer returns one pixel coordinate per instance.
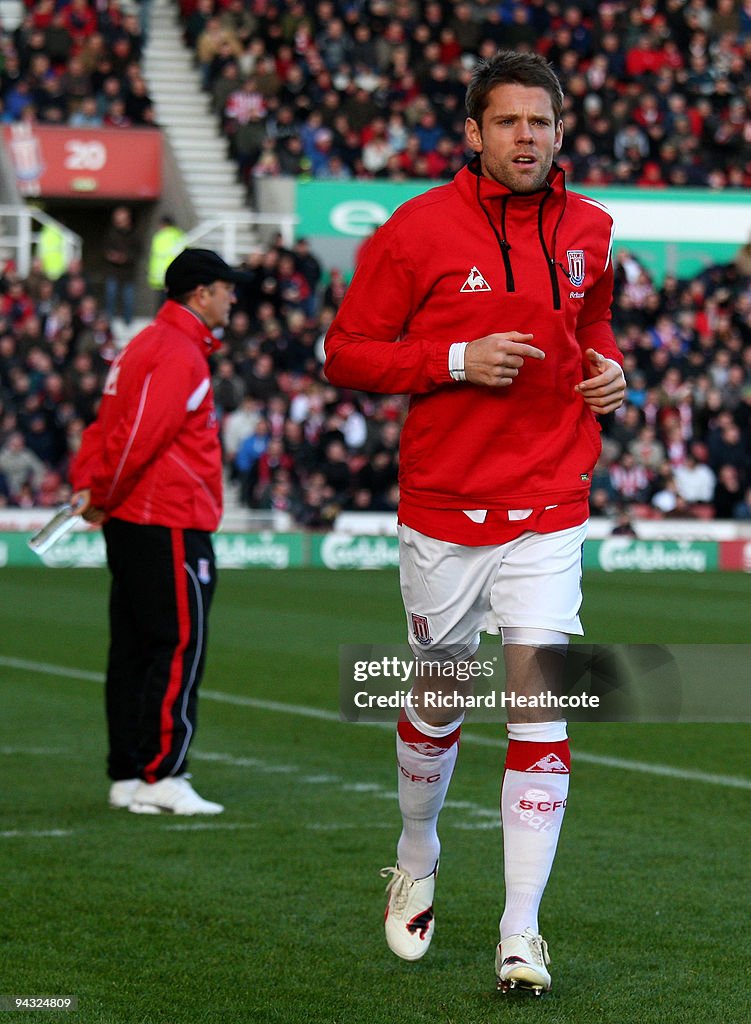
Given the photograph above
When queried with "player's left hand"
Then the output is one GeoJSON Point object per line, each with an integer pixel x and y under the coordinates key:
{"type": "Point", "coordinates": [81, 503]}
{"type": "Point", "coordinates": [605, 389]}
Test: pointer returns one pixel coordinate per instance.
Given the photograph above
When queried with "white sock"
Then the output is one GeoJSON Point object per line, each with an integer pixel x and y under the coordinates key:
{"type": "Point", "coordinates": [426, 755]}
{"type": "Point", "coordinates": [533, 801]}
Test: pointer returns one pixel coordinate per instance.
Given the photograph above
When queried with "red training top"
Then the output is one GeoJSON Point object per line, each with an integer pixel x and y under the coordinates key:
{"type": "Point", "coordinates": [462, 261]}
{"type": "Point", "coordinates": [153, 456]}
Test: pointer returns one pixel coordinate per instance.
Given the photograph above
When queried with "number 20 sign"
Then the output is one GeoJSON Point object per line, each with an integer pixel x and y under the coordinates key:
{"type": "Point", "coordinates": [109, 163]}
{"type": "Point", "coordinates": [85, 155]}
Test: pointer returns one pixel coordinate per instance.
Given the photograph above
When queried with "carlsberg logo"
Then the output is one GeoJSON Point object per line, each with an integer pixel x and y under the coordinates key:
{"type": "Point", "coordinates": [650, 556]}
{"type": "Point", "coordinates": [239, 552]}
{"type": "Point", "coordinates": [342, 552]}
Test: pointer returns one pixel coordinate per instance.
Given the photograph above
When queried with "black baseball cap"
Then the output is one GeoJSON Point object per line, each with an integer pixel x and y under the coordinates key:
{"type": "Point", "coordinates": [193, 267]}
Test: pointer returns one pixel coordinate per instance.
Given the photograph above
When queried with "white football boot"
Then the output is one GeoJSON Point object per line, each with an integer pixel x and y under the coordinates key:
{"type": "Point", "coordinates": [171, 795]}
{"type": "Point", "coordinates": [521, 962]}
{"type": "Point", "coordinates": [122, 791]}
{"type": "Point", "coordinates": [409, 919]}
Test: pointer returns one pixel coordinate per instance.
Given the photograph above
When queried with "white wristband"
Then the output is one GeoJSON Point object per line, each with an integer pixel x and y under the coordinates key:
{"type": "Point", "coordinates": [456, 360]}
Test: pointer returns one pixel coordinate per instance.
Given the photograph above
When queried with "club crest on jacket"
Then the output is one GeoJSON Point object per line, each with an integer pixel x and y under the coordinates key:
{"type": "Point", "coordinates": [576, 270]}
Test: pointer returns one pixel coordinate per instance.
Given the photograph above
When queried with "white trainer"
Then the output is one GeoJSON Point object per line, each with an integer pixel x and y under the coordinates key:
{"type": "Point", "coordinates": [409, 918]}
{"type": "Point", "coordinates": [521, 962]}
{"type": "Point", "coordinates": [171, 795]}
{"type": "Point", "coordinates": [122, 791]}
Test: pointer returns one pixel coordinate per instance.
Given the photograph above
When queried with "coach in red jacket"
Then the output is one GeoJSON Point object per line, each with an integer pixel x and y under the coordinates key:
{"type": "Point", "coordinates": [150, 470]}
{"type": "Point", "coordinates": [488, 300]}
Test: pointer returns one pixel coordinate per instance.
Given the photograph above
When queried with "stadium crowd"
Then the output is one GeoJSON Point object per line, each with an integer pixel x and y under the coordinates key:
{"type": "Point", "coordinates": [680, 446]}
{"type": "Point", "coordinates": [658, 92]}
{"type": "Point", "coordinates": [75, 63]}
{"type": "Point", "coordinates": [659, 95]}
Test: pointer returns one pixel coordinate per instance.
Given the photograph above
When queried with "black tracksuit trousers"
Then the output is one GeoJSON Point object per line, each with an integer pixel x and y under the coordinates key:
{"type": "Point", "coordinates": [163, 581]}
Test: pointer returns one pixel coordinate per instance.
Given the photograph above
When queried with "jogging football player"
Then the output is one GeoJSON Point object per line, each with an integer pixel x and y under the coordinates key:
{"type": "Point", "coordinates": [488, 301]}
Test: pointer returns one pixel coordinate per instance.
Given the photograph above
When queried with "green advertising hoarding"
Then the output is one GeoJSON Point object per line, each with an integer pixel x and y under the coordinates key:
{"type": "Point", "coordinates": [85, 550]}
{"type": "Point", "coordinates": [265, 550]}
{"type": "Point", "coordinates": [269, 550]}
{"type": "Point", "coordinates": [629, 554]}
{"type": "Point", "coordinates": [349, 551]}
{"type": "Point", "coordinates": [677, 231]}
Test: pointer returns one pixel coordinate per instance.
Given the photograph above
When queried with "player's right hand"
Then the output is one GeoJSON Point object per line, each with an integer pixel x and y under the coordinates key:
{"type": "Point", "coordinates": [496, 359]}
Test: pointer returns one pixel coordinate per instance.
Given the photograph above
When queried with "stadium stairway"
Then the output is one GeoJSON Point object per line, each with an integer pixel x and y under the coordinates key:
{"type": "Point", "coordinates": [183, 111]}
{"type": "Point", "coordinates": [11, 14]}
{"type": "Point", "coordinates": [238, 518]}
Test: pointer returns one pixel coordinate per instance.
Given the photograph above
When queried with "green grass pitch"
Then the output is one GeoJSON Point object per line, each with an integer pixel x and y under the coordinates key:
{"type": "Point", "coordinates": [273, 912]}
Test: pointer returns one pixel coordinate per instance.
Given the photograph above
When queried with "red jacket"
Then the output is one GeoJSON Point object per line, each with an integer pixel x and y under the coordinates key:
{"type": "Point", "coordinates": [153, 456]}
{"type": "Point", "coordinates": [462, 261]}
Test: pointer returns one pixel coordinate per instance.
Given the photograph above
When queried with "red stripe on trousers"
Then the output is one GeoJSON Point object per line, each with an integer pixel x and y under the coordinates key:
{"type": "Point", "coordinates": [409, 733]}
{"type": "Point", "coordinates": [174, 686]}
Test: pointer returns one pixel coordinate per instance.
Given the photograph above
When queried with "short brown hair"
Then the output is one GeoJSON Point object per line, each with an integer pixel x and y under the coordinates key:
{"type": "Point", "coordinates": [510, 68]}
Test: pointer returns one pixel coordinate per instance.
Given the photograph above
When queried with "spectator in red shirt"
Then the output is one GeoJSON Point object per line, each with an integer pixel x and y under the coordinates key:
{"type": "Point", "coordinates": [646, 58]}
{"type": "Point", "coordinates": [16, 305]}
{"type": "Point", "coordinates": [80, 20]}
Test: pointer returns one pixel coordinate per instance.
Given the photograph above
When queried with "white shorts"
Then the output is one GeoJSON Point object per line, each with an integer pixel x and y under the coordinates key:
{"type": "Point", "coordinates": [453, 592]}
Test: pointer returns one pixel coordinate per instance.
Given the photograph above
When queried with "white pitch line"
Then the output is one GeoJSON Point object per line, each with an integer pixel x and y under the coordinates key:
{"type": "Point", "coordinates": [345, 826]}
{"type": "Point", "coordinates": [30, 751]}
{"type": "Point", "coordinates": [335, 781]}
{"type": "Point", "coordinates": [36, 834]}
{"type": "Point", "coordinates": [52, 670]}
{"type": "Point", "coordinates": [602, 760]}
{"type": "Point", "coordinates": [480, 826]}
{"type": "Point", "coordinates": [304, 711]}
{"type": "Point", "coordinates": [374, 789]}
{"type": "Point", "coordinates": [647, 767]}
{"type": "Point", "coordinates": [210, 827]}
{"type": "Point", "coordinates": [271, 705]}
